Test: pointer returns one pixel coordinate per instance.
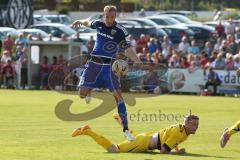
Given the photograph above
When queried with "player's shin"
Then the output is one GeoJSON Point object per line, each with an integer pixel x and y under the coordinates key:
{"type": "Point", "coordinates": [123, 114]}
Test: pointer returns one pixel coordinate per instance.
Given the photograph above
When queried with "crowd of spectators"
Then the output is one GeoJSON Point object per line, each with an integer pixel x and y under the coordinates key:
{"type": "Point", "coordinates": [223, 53]}
{"type": "Point", "coordinates": [14, 59]}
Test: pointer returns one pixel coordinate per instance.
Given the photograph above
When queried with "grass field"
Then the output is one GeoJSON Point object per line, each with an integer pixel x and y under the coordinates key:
{"type": "Point", "coordinates": [30, 130]}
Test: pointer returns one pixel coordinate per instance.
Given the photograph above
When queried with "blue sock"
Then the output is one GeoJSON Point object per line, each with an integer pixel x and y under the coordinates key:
{"type": "Point", "coordinates": [123, 114]}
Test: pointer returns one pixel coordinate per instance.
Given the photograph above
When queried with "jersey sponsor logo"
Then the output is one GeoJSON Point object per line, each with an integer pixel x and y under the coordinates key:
{"type": "Point", "coordinates": [113, 31]}
{"type": "Point", "coordinates": [105, 35]}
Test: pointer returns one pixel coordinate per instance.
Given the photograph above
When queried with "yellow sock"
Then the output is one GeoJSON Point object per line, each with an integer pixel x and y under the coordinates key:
{"type": "Point", "coordinates": [234, 129]}
{"type": "Point", "coordinates": [102, 141]}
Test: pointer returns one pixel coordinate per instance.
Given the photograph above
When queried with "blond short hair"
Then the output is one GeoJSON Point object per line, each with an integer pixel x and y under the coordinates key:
{"type": "Point", "coordinates": [110, 8]}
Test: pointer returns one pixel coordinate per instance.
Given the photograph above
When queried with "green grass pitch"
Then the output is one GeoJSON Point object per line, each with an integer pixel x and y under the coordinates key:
{"type": "Point", "coordinates": [30, 130]}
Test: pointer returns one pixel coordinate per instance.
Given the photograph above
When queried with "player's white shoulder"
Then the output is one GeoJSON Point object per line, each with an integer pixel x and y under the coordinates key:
{"type": "Point", "coordinates": [123, 29]}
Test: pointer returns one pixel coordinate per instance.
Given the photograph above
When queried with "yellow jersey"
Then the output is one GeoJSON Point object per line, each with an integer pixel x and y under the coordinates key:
{"type": "Point", "coordinates": [171, 136]}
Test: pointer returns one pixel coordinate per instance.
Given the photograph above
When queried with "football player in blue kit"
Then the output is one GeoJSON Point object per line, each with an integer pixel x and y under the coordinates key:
{"type": "Point", "coordinates": [111, 40]}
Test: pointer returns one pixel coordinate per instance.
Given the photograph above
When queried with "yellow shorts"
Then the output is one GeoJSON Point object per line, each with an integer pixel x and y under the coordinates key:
{"type": "Point", "coordinates": [140, 144]}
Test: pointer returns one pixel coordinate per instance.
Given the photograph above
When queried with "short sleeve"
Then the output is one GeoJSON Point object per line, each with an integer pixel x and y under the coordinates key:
{"type": "Point", "coordinates": [126, 43]}
{"type": "Point", "coordinates": [173, 139]}
{"type": "Point", "coordinates": [94, 24]}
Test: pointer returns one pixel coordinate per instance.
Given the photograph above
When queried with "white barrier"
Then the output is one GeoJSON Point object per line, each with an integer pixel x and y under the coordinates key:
{"type": "Point", "coordinates": [181, 80]}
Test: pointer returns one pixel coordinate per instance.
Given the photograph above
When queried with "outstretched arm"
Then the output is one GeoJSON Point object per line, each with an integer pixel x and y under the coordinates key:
{"type": "Point", "coordinates": [166, 150]}
{"type": "Point", "coordinates": [132, 55]}
{"type": "Point", "coordinates": [78, 23]}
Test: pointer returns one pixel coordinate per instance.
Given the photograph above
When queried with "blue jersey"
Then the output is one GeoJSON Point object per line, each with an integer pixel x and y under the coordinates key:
{"type": "Point", "coordinates": [110, 40]}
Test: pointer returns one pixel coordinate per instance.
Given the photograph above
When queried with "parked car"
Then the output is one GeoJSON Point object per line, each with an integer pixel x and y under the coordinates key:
{"type": "Point", "coordinates": [34, 33]}
{"type": "Point", "coordinates": [86, 33]}
{"type": "Point", "coordinates": [7, 30]}
{"type": "Point", "coordinates": [181, 18]}
{"type": "Point", "coordinates": [64, 19]}
{"type": "Point", "coordinates": [175, 33]}
{"type": "Point", "coordinates": [56, 29]}
{"type": "Point", "coordinates": [137, 30]}
{"type": "Point", "coordinates": [202, 33]}
{"type": "Point", "coordinates": [40, 19]}
{"type": "Point", "coordinates": [215, 23]}
{"type": "Point", "coordinates": [164, 20]}
{"type": "Point", "coordinates": [184, 13]}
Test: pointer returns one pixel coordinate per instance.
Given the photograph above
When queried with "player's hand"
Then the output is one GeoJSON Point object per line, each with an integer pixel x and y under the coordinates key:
{"type": "Point", "coordinates": [181, 151]}
{"type": "Point", "coordinates": [76, 24]}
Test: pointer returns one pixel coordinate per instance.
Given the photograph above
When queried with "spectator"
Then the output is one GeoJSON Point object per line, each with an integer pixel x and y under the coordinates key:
{"type": "Point", "coordinates": [214, 54]}
{"type": "Point", "coordinates": [144, 55]}
{"type": "Point", "coordinates": [8, 74]}
{"type": "Point", "coordinates": [204, 60]}
{"type": "Point", "coordinates": [17, 67]}
{"type": "Point", "coordinates": [77, 38]}
{"type": "Point", "coordinates": [236, 61]}
{"type": "Point", "coordinates": [141, 43]}
{"type": "Point", "coordinates": [21, 41]}
{"type": "Point", "coordinates": [174, 61]}
{"type": "Point", "coordinates": [39, 37]}
{"type": "Point", "coordinates": [233, 46]}
{"type": "Point", "coordinates": [142, 13]}
{"type": "Point", "coordinates": [229, 62]}
{"type": "Point", "coordinates": [193, 49]}
{"type": "Point", "coordinates": [29, 37]}
{"type": "Point", "coordinates": [196, 61]}
{"type": "Point", "coordinates": [23, 59]}
{"type": "Point", "coordinates": [208, 48]}
{"type": "Point", "coordinates": [155, 57]}
{"type": "Point", "coordinates": [219, 63]}
{"type": "Point", "coordinates": [152, 46]}
{"type": "Point", "coordinates": [230, 29]}
{"type": "Point", "coordinates": [90, 44]}
{"type": "Point", "coordinates": [54, 65]}
{"type": "Point", "coordinates": [224, 48]}
{"type": "Point", "coordinates": [212, 80]}
{"type": "Point", "coordinates": [166, 46]}
{"type": "Point", "coordinates": [64, 37]}
{"type": "Point", "coordinates": [218, 44]}
{"type": "Point", "coordinates": [8, 44]}
{"type": "Point", "coordinates": [6, 57]}
{"type": "Point", "coordinates": [44, 73]}
{"type": "Point", "coordinates": [184, 62]}
{"type": "Point", "coordinates": [55, 72]}
{"type": "Point", "coordinates": [237, 36]}
{"type": "Point", "coordinates": [220, 29]}
{"type": "Point", "coordinates": [133, 43]}
{"type": "Point", "coordinates": [183, 46]}
{"type": "Point", "coordinates": [50, 36]}
{"type": "Point", "coordinates": [19, 51]}
{"type": "Point", "coordinates": [162, 60]}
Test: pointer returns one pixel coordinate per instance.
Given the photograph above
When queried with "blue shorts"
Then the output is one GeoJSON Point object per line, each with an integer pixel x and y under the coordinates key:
{"type": "Point", "coordinates": [99, 76]}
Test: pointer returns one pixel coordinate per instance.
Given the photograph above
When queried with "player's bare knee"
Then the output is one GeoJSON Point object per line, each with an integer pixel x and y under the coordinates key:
{"type": "Point", "coordinates": [118, 98]}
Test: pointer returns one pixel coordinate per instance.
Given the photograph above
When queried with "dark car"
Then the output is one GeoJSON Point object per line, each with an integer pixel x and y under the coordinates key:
{"type": "Point", "coordinates": [56, 29]}
{"type": "Point", "coordinates": [137, 30]}
{"type": "Point", "coordinates": [176, 33]}
{"type": "Point", "coordinates": [202, 33]}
